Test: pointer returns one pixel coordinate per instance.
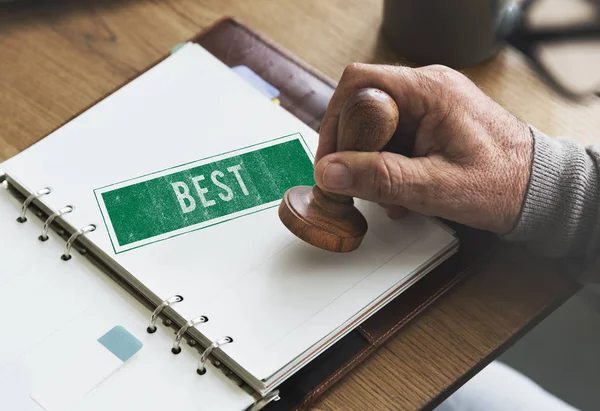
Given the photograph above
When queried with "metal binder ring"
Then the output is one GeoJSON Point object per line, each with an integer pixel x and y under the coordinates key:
{"type": "Point", "coordinates": [169, 301]}
{"type": "Point", "coordinates": [263, 402]}
{"type": "Point", "coordinates": [82, 231]}
{"type": "Point", "coordinates": [65, 210]}
{"type": "Point", "coordinates": [28, 200]}
{"type": "Point", "coordinates": [202, 362]}
{"type": "Point", "coordinates": [198, 320]}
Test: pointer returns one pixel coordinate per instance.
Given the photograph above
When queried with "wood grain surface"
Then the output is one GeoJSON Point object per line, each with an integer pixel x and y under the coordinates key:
{"type": "Point", "coordinates": [56, 57]}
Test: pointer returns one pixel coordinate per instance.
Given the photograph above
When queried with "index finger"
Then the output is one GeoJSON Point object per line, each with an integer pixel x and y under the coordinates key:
{"type": "Point", "coordinates": [401, 83]}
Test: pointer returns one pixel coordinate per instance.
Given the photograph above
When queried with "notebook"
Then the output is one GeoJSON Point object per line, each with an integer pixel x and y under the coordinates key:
{"type": "Point", "coordinates": [57, 358]}
{"type": "Point", "coordinates": [179, 174]}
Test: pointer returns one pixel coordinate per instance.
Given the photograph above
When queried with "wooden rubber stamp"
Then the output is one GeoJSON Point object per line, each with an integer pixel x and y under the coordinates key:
{"type": "Point", "coordinates": [331, 221]}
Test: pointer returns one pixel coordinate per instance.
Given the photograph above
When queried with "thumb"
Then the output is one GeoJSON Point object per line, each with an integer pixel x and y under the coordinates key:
{"type": "Point", "coordinates": [379, 177]}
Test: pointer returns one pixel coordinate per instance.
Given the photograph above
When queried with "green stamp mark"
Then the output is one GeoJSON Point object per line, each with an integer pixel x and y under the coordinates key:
{"type": "Point", "coordinates": [203, 193]}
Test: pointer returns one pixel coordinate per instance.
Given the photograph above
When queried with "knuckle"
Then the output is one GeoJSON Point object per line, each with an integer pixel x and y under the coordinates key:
{"type": "Point", "coordinates": [352, 70]}
{"type": "Point", "coordinates": [448, 79]}
{"type": "Point", "coordinates": [387, 178]}
{"type": "Point", "coordinates": [439, 68]}
{"type": "Point", "coordinates": [444, 77]}
{"type": "Point", "coordinates": [445, 87]}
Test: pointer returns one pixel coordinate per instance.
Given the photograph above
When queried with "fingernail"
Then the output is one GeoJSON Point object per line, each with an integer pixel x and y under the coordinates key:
{"type": "Point", "coordinates": [337, 176]}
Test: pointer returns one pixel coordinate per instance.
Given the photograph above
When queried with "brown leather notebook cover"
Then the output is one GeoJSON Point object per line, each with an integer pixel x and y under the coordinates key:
{"type": "Point", "coordinates": [305, 92]}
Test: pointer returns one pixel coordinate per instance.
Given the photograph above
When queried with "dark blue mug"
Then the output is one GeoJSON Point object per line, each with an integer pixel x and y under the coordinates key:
{"type": "Point", "coordinates": [456, 33]}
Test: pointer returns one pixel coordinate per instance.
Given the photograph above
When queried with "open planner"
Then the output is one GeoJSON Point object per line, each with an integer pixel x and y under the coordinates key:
{"type": "Point", "coordinates": [171, 184]}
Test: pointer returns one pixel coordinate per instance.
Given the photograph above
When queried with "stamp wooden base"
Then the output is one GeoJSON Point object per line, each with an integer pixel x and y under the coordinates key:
{"type": "Point", "coordinates": [322, 221]}
{"type": "Point", "coordinates": [331, 221]}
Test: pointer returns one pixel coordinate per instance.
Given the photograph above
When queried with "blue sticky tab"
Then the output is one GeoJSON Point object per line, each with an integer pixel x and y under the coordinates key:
{"type": "Point", "coordinates": [121, 343]}
{"type": "Point", "coordinates": [257, 81]}
{"type": "Point", "coordinates": [177, 47]}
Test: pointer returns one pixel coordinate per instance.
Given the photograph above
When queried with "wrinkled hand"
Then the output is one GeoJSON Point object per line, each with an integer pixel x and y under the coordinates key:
{"type": "Point", "coordinates": [471, 158]}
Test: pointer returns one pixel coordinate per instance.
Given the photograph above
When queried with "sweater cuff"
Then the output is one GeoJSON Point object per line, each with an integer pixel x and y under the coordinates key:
{"type": "Point", "coordinates": [560, 206]}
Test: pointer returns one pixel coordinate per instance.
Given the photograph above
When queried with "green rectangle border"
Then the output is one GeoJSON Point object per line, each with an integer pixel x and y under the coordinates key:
{"type": "Point", "coordinates": [302, 141]}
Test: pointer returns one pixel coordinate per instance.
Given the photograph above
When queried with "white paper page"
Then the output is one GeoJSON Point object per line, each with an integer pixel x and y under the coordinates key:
{"type": "Point", "coordinates": [49, 354]}
{"type": "Point", "coordinates": [316, 291]}
{"type": "Point", "coordinates": [188, 108]}
{"type": "Point", "coordinates": [349, 325]}
{"type": "Point", "coordinates": [41, 292]}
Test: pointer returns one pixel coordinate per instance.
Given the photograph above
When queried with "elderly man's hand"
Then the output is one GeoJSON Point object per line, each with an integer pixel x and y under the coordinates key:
{"type": "Point", "coordinates": [471, 159]}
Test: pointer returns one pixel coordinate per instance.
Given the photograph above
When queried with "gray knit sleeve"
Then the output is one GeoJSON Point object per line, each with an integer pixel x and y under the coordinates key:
{"type": "Point", "coordinates": [560, 216]}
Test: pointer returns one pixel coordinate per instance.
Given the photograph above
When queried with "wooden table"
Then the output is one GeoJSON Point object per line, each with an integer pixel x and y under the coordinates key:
{"type": "Point", "coordinates": [56, 57]}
